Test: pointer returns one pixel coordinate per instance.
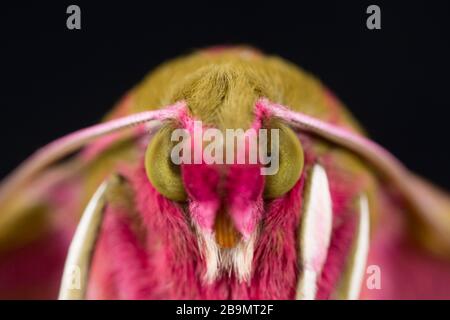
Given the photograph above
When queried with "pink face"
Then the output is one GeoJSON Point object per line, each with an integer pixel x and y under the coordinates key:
{"type": "Point", "coordinates": [226, 199]}
{"type": "Point", "coordinates": [235, 190]}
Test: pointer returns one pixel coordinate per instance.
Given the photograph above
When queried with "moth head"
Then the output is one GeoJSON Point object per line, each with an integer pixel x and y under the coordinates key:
{"type": "Point", "coordinates": [166, 175]}
{"type": "Point", "coordinates": [225, 198]}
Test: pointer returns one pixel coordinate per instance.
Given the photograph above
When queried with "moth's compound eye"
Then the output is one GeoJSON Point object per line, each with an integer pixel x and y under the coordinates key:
{"type": "Point", "coordinates": [164, 175]}
{"type": "Point", "coordinates": [290, 153]}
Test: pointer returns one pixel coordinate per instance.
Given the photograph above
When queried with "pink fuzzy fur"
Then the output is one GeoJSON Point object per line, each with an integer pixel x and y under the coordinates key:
{"type": "Point", "coordinates": [275, 262]}
{"type": "Point", "coordinates": [153, 251]}
{"type": "Point", "coordinates": [244, 189]}
{"type": "Point", "coordinates": [202, 183]}
{"type": "Point", "coordinates": [174, 266]}
{"type": "Point", "coordinates": [123, 259]}
{"type": "Point", "coordinates": [344, 189]}
{"type": "Point", "coordinates": [168, 264]}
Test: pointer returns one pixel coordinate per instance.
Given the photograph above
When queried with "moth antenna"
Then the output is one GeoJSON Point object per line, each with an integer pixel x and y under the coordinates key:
{"type": "Point", "coordinates": [65, 145]}
{"type": "Point", "coordinates": [430, 204]}
{"type": "Point", "coordinates": [315, 233]}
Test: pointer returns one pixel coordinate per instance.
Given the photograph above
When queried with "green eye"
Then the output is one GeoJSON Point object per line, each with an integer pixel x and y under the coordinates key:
{"type": "Point", "coordinates": [291, 162]}
{"type": "Point", "coordinates": [164, 175]}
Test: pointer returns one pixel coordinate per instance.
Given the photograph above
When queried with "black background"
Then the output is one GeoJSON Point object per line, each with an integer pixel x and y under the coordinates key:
{"type": "Point", "coordinates": [395, 80]}
{"type": "Point", "coordinates": [282, 309]}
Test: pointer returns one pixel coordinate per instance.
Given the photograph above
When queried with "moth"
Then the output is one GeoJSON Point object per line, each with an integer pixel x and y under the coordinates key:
{"type": "Point", "coordinates": [105, 212]}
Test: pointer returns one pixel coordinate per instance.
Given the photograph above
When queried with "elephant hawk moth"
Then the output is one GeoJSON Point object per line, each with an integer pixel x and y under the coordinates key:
{"type": "Point", "coordinates": [103, 213]}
